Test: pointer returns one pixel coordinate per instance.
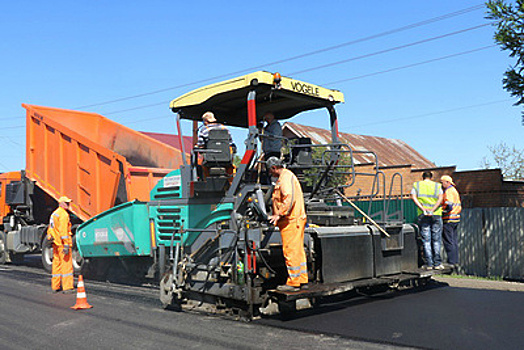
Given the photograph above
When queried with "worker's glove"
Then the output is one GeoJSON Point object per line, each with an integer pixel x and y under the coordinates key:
{"type": "Point", "coordinates": [50, 239]}
{"type": "Point", "coordinates": [65, 250]}
{"type": "Point", "coordinates": [273, 219]}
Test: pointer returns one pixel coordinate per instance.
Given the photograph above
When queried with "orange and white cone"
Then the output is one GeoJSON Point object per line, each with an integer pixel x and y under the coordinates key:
{"type": "Point", "coordinates": [81, 298]}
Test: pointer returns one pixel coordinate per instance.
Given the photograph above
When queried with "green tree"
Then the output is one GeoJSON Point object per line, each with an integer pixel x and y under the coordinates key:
{"type": "Point", "coordinates": [336, 177]}
{"type": "Point", "coordinates": [510, 160]}
{"type": "Point", "coordinates": [508, 18]}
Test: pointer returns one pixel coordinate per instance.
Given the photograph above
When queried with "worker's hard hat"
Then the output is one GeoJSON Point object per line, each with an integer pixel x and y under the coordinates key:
{"type": "Point", "coordinates": [447, 178]}
{"type": "Point", "coordinates": [209, 117]}
{"type": "Point", "coordinates": [64, 199]}
{"type": "Point", "coordinates": [273, 161]}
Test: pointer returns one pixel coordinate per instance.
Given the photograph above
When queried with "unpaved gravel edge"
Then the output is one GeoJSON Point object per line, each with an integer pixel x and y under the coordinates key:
{"type": "Point", "coordinates": [480, 284]}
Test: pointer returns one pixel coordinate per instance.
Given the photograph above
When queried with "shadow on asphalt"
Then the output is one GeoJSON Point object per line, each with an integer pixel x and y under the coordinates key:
{"type": "Point", "coordinates": [352, 299]}
{"type": "Point", "coordinates": [108, 271]}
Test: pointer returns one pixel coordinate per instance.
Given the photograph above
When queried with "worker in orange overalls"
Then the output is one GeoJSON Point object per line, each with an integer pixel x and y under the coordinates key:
{"type": "Point", "coordinates": [59, 232]}
{"type": "Point", "coordinates": [289, 214]}
{"type": "Point", "coordinates": [451, 208]}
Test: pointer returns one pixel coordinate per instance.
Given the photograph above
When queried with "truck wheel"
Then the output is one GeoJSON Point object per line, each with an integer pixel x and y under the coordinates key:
{"type": "Point", "coordinates": [47, 257]}
{"type": "Point", "coordinates": [78, 260]}
{"type": "Point", "coordinates": [3, 249]}
{"type": "Point", "coordinates": [47, 254]}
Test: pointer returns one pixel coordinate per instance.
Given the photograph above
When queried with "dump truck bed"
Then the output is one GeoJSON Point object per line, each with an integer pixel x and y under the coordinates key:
{"type": "Point", "coordinates": [95, 161]}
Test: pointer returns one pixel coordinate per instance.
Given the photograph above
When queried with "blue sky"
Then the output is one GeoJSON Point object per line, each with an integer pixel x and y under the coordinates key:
{"type": "Point", "coordinates": [71, 54]}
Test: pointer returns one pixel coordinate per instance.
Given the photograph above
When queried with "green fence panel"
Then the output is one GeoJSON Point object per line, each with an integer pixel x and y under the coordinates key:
{"type": "Point", "coordinates": [410, 209]}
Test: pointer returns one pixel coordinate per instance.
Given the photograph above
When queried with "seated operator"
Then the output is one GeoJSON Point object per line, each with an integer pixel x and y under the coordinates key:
{"type": "Point", "coordinates": [210, 123]}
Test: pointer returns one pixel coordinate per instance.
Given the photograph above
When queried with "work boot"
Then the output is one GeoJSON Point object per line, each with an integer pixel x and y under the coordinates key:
{"type": "Point", "coordinates": [286, 288]}
{"type": "Point", "coordinates": [54, 291]}
{"type": "Point", "coordinates": [304, 286]}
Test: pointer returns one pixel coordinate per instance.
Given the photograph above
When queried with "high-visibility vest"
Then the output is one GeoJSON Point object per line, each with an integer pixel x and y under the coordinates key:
{"type": "Point", "coordinates": [60, 228]}
{"type": "Point", "coordinates": [427, 194]}
{"type": "Point", "coordinates": [451, 205]}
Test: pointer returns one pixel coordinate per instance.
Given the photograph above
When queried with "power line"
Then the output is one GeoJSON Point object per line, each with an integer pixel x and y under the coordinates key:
{"type": "Point", "coordinates": [431, 113]}
{"type": "Point", "coordinates": [10, 118]}
{"type": "Point", "coordinates": [13, 127]}
{"type": "Point", "coordinates": [410, 65]}
{"type": "Point", "coordinates": [136, 108]}
{"type": "Point", "coordinates": [12, 141]}
{"type": "Point", "coordinates": [292, 58]}
{"type": "Point", "coordinates": [396, 48]}
{"type": "Point", "coordinates": [148, 119]}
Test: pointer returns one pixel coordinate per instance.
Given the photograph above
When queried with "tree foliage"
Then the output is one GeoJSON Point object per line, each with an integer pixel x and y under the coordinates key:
{"type": "Point", "coordinates": [510, 160]}
{"type": "Point", "coordinates": [509, 21]}
{"type": "Point", "coordinates": [336, 177]}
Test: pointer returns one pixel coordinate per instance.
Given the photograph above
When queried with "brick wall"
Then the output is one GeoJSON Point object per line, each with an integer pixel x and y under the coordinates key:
{"type": "Point", "coordinates": [407, 173]}
{"type": "Point", "coordinates": [513, 194]}
{"type": "Point", "coordinates": [487, 188]}
{"type": "Point", "coordinates": [477, 188]}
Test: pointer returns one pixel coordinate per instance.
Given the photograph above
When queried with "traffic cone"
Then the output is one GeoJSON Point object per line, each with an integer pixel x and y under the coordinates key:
{"type": "Point", "coordinates": [81, 298]}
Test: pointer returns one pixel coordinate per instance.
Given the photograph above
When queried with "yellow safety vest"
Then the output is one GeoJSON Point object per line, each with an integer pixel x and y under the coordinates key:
{"type": "Point", "coordinates": [427, 194]}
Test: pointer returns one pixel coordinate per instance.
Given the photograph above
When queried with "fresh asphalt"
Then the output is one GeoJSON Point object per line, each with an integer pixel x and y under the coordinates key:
{"type": "Point", "coordinates": [436, 317]}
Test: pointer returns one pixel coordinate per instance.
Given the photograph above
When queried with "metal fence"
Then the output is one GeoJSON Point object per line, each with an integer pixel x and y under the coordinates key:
{"type": "Point", "coordinates": [491, 242]}
{"type": "Point", "coordinates": [376, 207]}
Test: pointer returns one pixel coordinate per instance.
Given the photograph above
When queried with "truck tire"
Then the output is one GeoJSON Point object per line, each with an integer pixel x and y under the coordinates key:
{"type": "Point", "coordinates": [3, 249]}
{"type": "Point", "coordinates": [78, 260]}
{"type": "Point", "coordinates": [47, 256]}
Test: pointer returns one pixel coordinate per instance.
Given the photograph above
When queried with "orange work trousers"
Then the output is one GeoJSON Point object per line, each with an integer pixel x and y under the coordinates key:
{"type": "Point", "coordinates": [292, 232]}
{"type": "Point", "coordinates": [62, 269]}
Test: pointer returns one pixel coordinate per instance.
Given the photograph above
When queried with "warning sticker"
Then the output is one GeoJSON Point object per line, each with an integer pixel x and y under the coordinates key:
{"type": "Point", "coordinates": [172, 181]}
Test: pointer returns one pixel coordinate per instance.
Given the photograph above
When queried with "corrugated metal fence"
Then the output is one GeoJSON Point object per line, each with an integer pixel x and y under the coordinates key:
{"type": "Point", "coordinates": [491, 242]}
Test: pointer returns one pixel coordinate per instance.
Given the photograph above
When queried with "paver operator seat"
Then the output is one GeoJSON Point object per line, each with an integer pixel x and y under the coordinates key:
{"type": "Point", "coordinates": [218, 154]}
{"type": "Point", "coordinates": [217, 164]}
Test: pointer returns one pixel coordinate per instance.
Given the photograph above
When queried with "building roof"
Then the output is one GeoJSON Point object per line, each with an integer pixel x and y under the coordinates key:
{"type": "Point", "coordinates": [389, 151]}
{"type": "Point", "coordinates": [171, 140]}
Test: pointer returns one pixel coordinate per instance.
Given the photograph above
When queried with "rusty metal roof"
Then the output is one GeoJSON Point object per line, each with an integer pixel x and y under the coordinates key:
{"type": "Point", "coordinates": [390, 152]}
{"type": "Point", "coordinates": [172, 140]}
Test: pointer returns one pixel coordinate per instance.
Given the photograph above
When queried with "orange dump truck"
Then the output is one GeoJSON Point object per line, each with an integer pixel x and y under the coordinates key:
{"type": "Point", "coordinates": [96, 162]}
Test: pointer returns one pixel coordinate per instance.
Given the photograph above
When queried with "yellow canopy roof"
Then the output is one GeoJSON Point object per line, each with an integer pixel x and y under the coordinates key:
{"type": "Point", "coordinates": [228, 99]}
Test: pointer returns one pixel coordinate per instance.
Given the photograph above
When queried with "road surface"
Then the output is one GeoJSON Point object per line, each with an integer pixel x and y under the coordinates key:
{"type": "Point", "coordinates": [438, 317]}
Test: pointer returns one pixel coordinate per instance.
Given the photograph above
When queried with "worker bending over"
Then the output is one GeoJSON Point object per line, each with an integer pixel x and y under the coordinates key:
{"type": "Point", "coordinates": [59, 232]}
{"type": "Point", "coordinates": [289, 214]}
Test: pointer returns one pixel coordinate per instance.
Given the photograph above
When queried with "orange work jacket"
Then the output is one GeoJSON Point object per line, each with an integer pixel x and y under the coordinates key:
{"type": "Point", "coordinates": [288, 199]}
{"type": "Point", "coordinates": [60, 228]}
{"type": "Point", "coordinates": [451, 206]}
